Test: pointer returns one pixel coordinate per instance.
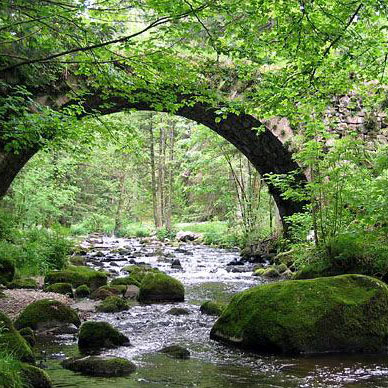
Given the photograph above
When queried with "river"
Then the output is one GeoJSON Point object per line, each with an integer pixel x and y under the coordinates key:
{"type": "Point", "coordinates": [212, 364]}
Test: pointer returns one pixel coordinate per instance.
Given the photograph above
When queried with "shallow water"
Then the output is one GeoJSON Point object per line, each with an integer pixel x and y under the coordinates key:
{"type": "Point", "coordinates": [149, 328]}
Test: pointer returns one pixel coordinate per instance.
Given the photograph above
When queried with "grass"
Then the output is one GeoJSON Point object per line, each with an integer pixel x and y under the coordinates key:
{"type": "Point", "coordinates": [9, 371]}
{"type": "Point", "coordinates": [216, 227]}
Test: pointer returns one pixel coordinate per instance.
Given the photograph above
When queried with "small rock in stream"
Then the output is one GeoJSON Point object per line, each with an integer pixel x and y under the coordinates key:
{"type": "Point", "coordinates": [176, 351]}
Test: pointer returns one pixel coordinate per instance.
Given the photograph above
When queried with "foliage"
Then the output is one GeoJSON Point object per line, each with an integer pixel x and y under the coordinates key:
{"type": "Point", "coordinates": [10, 371]}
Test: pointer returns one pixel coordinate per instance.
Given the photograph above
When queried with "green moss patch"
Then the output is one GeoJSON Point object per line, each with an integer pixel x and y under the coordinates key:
{"type": "Point", "coordinates": [34, 377]}
{"type": "Point", "coordinates": [100, 366]}
{"type": "Point", "coordinates": [212, 308]}
{"type": "Point", "coordinates": [82, 291]}
{"type": "Point", "coordinates": [61, 288]}
{"type": "Point", "coordinates": [96, 335]}
{"type": "Point", "coordinates": [159, 287]}
{"type": "Point", "coordinates": [176, 351]}
{"type": "Point", "coordinates": [12, 341]}
{"type": "Point", "coordinates": [46, 313]}
{"type": "Point", "coordinates": [106, 291]}
{"type": "Point", "coordinates": [28, 334]}
{"type": "Point", "coordinates": [77, 276]}
{"type": "Point", "coordinates": [27, 283]}
{"type": "Point", "coordinates": [113, 304]}
{"type": "Point", "coordinates": [347, 313]}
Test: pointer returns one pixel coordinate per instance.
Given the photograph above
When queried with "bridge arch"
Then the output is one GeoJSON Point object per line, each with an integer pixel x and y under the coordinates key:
{"type": "Point", "coordinates": [263, 149]}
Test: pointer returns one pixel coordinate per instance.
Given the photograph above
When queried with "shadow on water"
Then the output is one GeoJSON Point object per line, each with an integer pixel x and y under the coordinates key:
{"type": "Point", "coordinates": [211, 364]}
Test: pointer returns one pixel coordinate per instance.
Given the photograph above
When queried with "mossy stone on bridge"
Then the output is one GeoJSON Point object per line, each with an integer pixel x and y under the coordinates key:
{"type": "Point", "coordinates": [347, 313]}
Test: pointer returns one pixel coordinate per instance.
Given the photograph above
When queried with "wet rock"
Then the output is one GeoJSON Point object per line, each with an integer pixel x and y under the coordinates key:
{"type": "Point", "coordinates": [100, 366]}
{"type": "Point", "coordinates": [178, 311]}
{"type": "Point", "coordinates": [82, 291]}
{"type": "Point", "coordinates": [11, 340]}
{"type": "Point", "coordinates": [176, 351]}
{"type": "Point", "coordinates": [97, 335]}
{"type": "Point", "coordinates": [212, 308]}
{"type": "Point", "coordinates": [61, 288]}
{"type": "Point", "coordinates": [184, 251]}
{"type": "Point", "coordinates": [35, 377]}
{"type": "Point", "coordinates": [238, 269]}
{"type": "Point", "coordinates": [347, 313]}
{"type": "Point", "coordinates": [7, 271]}
{"type": "Point", "coordinates": [63, 329]}
{"type": "Point", "coordinates": [159, 287]}
{"type": "Point", "coordinates": [113, 304]}
{"type": "Point", "coordinates": [46, 314]}
{"type": "Point", "coordinates": [237, 262]}
{"type": "Point", "coordinates": [188, 236]}
{"type": "Point", "coordinates": [132, 292]}
{"type": "Point", "coordinates": [176, 264]}
{"type": "Point", "coordinates": [99, 254]}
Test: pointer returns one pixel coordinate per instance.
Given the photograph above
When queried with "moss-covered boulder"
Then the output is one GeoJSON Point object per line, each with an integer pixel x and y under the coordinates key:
{"type": "Point", "coordinates": [27, 283]}
{"type": "Point", "coordinates": [34, 377]}
{"type": "Point", "coordinates": [77, 276]}
{"type": "Point", "coordinates": [347, 313]}
{"type": "Point", "coordinates": [28, 334]}
{"type": "Point", "coordinates": [61, 288]}
{"type": "Point", "coordinates": [46, 314]}
{"type": "Point", "coordinates": [82, 291]}
{"type": "Point", "coordinates": [7, 271]}
{"type": "Point", "coordinates": [106, 291]}
{"type": "Point", "coordinates": [77, 260]}
{"type": "Point", "coordinates": [176, 351]}
{"type": "Point", "coordinates": [96, 335]}
{"type": "Point", "coordinates": [136, 275]}
{"type": "Point", "coordinates": [212, 308]}
{"type": "Point", "coordinates": [100, 366]}
{"type": "Point", "coordinates": [159, 287]}
{"type": "Point", "coordinates": [12, 341]}
{"type": "Point", "coordinates": [113, 304]}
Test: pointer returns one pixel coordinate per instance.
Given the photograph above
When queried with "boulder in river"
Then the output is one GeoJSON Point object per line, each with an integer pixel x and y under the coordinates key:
{"type": "Point", "coordinates": [176, 264]}
{"type": "Point", "coordinates": [46, 314]}
{"type": "Point", "coordinates": [25, 283]}
{"type": "Point", "coordinates": [96, 335]}
{"type": "Point", "coordinates": [212, 308]}
{"type": "Point", "coordinates": [113, 304]}
{"type": "Point", "coordinates": [132, 292]}
{"type": "Point", "coordinates": [100, 366]}
{"type": "Point", "coordinates": [34, 377]}
{"type": "Point", "coordinates": [11, 340]}
{"type": "Point", "coordinates": [347, 313]}
{"type": "Point", "coordinates": [178, 311]}
{"type": "Point", "coordinates": [159, 287]}
{"type": "Point", "coordinates": [77, 276]}
{"type": "Point", "coordinates": [82, 291]}
{"type": "Point", "coordinates": [106, 291]}
{"type": "Point", "coordinates": [7, 271]}
{"type": "Point", "coordinates": [188, 236]}
{"type": "Point", "coordinates": [61, 288]}
{"type": "Point", "coordinates": [176, 351]}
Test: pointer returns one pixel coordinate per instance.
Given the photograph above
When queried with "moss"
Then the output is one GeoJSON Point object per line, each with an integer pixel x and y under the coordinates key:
{"type": "Point", "coordinates": [27, 283]}
{"type": "Point", "coordinates": [212, 308]}
{"type": "Point", "coordinates": [28, 334]}
{"type": "Point", "coordinates": [176, 351]}
{"type": "Point", "coordinates": [61, 288]}
{"type": "Point", "coordinates": [113, 304]}
{"type": "Point", "coordinates": [34, 377]}
{"type": "Point", "coordinates": [77, 276]}
{"type": "Point", "coordinates": [44, 312]}
{"type": "Point", "coordinates": [100, 366]}
{"type": "Point", "coordinates": [7, 271]}
{"type": "Point", "coordinates": [12, 341]}
{"type": "Point", "coordinates": [271, 272]}
{"type": "Point", "coordinates": [82, 291]}
{"type": "Point", "coordinates": [178, 311]}
{"type": "Point", "coordinates": [159, 287]}
{"type": "Point", "coordinates": [106, 291]}
{"type": "Point", "coordinates": [95, 335]}
{"type": "Point", "coordinates": [282, 268]}
{"type": "Point", "coordinates": [137, 274]}
{"type": "Point", "coordinates": [259, 272]}
{"type": "Point", "coordinates": [77, 260]}
{"type": "Point", "coordinates": [346, 313]}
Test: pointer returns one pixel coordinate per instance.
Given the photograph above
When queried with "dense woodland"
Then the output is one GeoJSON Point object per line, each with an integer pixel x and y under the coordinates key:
{"type": "Point", "coordinates": [95, 135]}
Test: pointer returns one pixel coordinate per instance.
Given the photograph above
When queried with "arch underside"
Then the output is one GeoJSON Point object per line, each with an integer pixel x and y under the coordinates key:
{"type": "Point", "coordinates": [263, 149]}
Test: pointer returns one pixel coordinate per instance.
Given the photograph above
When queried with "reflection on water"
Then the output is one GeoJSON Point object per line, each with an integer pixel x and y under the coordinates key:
{"type": "Point", "coordinates": [212, 364]}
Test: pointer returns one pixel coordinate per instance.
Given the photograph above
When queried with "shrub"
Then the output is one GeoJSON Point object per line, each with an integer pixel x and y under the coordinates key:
{"type": "Point", "coordinates": [164, 233]}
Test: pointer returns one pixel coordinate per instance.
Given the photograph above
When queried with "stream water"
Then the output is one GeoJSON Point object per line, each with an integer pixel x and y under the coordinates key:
{"type": "Point", "coordinates": [205, 275]}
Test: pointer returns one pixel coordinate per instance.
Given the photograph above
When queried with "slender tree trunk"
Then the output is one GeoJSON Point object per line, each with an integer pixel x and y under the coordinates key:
{"type": "Point", "coordinates": [170, 176]}
{"type": "Point", "coordinates": [161, 175]}
{"type": "Point", "coordinates": [153, 173]}
{"type": "Point", "coordinates": [120, 204]}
